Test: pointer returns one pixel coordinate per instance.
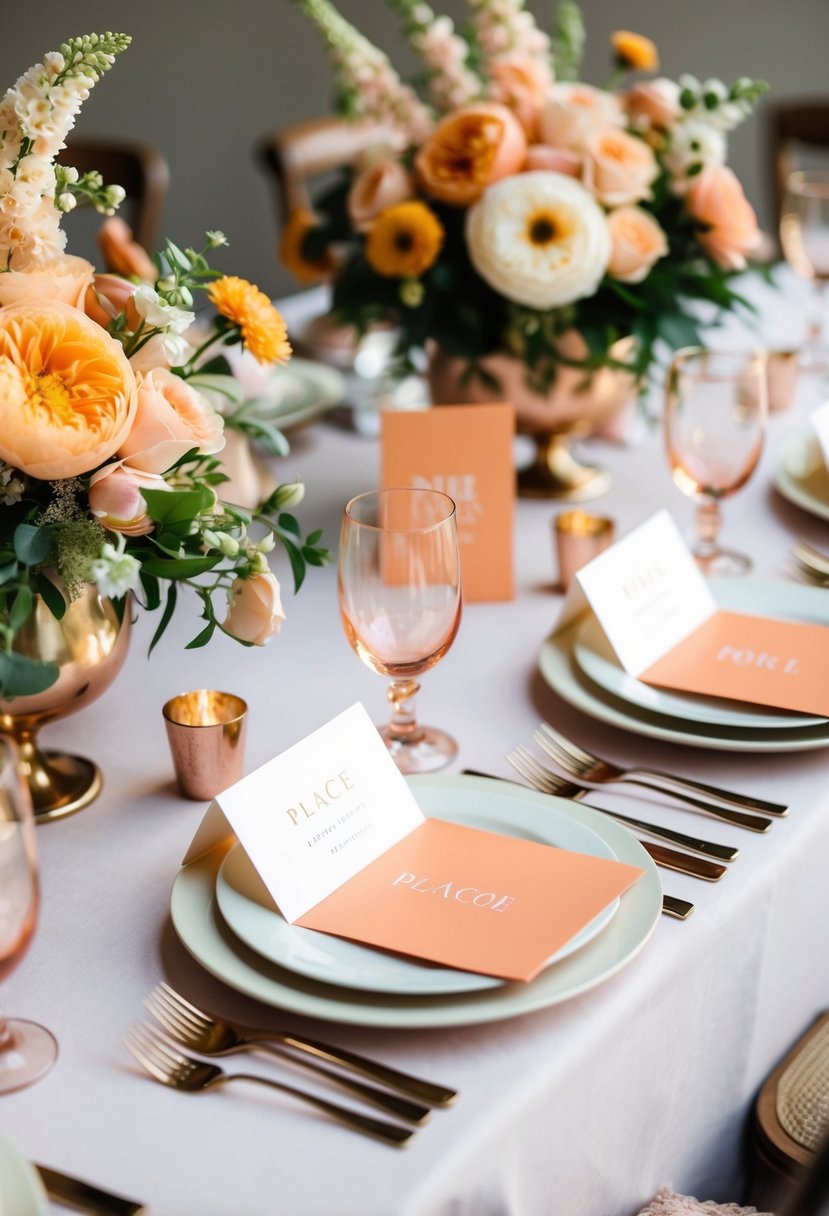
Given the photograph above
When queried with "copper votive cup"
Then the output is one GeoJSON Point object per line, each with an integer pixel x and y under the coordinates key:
{"type": "Point", "coordinates": [782, 372]}
{"type": "Point", "coordinates": [579, 538]}
{"type": "Point", "coordinates": [206, 730]}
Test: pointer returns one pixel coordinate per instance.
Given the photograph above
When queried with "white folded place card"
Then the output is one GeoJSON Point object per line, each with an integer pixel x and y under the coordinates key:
{"type": "Point", "coordinates": [661, 620]}
{"type": "Point", "coordinates": [342, 846]}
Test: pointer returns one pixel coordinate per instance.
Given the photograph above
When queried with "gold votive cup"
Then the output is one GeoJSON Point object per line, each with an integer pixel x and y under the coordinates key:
{"type": "Point", "coordinates": [579, 538]}
{"type": "Point", "coordinates": [206, 731]}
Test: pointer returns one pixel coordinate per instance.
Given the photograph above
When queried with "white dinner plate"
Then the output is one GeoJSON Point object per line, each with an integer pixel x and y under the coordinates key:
{"type": "Point", "coordinates": [801, 475]}
{"type": "Point", "coordinates": [596, 659]}
{"type": "Point", "coordinates": [246, 905]}
{"type": "Point", "coordinates": [21, 1190]}
{"type": "Point", "coordinates": [202, 930]}
{"type": "Point", "coordinates": [559, 669]}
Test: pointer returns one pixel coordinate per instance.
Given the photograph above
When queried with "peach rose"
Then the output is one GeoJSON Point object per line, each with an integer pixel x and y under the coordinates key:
{"type": "Point", "coordinates": [552, 160]}
{"type": "Point", "coordinates": [107, 296]}
{"type": "Point", "coordinates": [254, 609]}
{"type": "Point", "coordinates": [122, 254]}
{"type": "Point", "coordinates": [574, 113]}
{"type": "Point", "coordinates": [618, 167]}
{"type": "Point", "coordinates": [637, 241]}
{"type": "Point", "coordinates": [69, 393]}
{"type": "Point", "coordinates": [65, 279]}
{"type": "Point", "coordinates": [653, 103]}
{"type": "Point", "coordinates": [715, 198]}
{"type": "Point", "coordinates": [521, 82]}
{"type": "Point", "coordinates": [171, 419]}
{"type": "Point", "coordinates": [381, 185]}
{"type": "Point", "coordinates": [469, 150]}
{"type": "Point", "coordinates": [115, 498]}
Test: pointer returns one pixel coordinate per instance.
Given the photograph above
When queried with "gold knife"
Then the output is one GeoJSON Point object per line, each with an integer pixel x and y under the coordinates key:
{"type": "Point", "coordinates": [84, 1197]}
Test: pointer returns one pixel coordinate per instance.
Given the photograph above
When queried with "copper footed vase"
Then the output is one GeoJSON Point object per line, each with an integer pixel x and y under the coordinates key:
{"type": "Point", "coordinates": [89, 646]}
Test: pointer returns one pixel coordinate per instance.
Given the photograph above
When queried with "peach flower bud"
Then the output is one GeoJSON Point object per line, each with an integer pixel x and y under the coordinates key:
{"type": "Point", "coordinates": [618, 167]}
{"type": "Point", "coordinates": [715, 198]}
{"type": "Point", "coordinates": [115, 498]}
{"type": "Point", "coordinates": [653, 103]}
{"type": "Point", "coordinates": [573, 113]}
{"type": "Point", "coordinates": [107, 296]}
{"type": "Point", "coordinates": [552, 160]}
{"type": "Point", "coordinates": [171, 419]}
{"type": "Point", "coordinates": [377, 187]}
{"type": "Point", "coordinates": [469, 150]}
{"type": "Point", "coordinates": [521, 82]}
{"type": "Point", "coordinates": [254, 609]}
{"type": "Point", "coordinates": [65, 279]}
{"type": "Point", "coordinates": [637, 241]}
{"type": "Point", "coordinates": [122, 254]}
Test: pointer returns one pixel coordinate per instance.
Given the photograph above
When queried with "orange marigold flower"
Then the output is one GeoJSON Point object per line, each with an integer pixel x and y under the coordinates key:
{"type": "Point", "coordinates": [262, 328]}
{"type": "Point", "coordinates": [404, 241]}
{"type": "Point", "coordinates": [67, 391]}
{"type": "Point", "coordinates": [635, 51]}
{"type": "Point", "coordinates": [300, 222]}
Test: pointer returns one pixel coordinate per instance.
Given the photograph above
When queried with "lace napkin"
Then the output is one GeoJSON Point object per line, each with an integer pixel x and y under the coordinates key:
{"type": "Point", "coordinates": [667, 1203]}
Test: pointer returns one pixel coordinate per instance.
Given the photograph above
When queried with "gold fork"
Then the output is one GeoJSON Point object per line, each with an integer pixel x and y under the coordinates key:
{"type": "Point", "coordinates": [214, 1041]}
{"type": "Point", "coordinates": [180, 1071]}
{"type": "Point", "coordinates": [222, 1037]}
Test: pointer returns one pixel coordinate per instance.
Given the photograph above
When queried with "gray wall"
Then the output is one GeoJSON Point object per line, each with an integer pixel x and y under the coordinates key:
{"type": "Point", "coordinates": [205, 80]}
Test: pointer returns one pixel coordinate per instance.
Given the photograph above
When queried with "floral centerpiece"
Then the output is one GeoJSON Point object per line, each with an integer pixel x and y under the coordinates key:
{"type": "Point", "coordinates": [109, 470]}
{"type": "Point", "coordinates": [513, 205]}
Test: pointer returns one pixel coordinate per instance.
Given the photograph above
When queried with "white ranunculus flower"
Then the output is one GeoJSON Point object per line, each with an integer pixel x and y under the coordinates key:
{"type": "Point", "coordinates": [539, 239]}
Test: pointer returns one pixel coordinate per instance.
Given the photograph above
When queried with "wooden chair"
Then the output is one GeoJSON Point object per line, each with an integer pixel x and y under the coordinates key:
{"type": "Point", "coordinates": [803, 121]}
{"type": "Point", "coordinates": [138, 167]}
{"type": "Point", "coordinates": [292, 155]}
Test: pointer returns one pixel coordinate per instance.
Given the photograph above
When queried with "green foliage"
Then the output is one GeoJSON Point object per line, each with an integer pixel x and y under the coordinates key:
{"type": "Point", "coordinates": [568, 41]}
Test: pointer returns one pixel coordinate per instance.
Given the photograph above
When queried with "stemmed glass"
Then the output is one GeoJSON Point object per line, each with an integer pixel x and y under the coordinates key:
{"type": "Point", "coordinates": [27, 1050]}
{"type": "Point", "coordinates": [715, 415]}
{"type": "Point", "coordinates": [804, 235]}
{"type": "Point", "coordinates": [400, 600]}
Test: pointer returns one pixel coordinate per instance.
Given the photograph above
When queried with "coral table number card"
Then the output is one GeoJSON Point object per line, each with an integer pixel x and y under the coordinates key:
{"type": "Point", "coordinates": [342, 846]}
{"type": "Point", "coordinates": [466, 452]}
{"type": "Point", "coordinates": [662, 621]}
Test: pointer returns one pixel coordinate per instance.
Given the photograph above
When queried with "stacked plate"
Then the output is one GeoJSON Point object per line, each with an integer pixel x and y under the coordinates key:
{"type": "Point", "coordinates": [227, 920]}
{"type": "Point", "coordinates": [579, 665]}
{"type": "Point", "coordinates": [801, 475]}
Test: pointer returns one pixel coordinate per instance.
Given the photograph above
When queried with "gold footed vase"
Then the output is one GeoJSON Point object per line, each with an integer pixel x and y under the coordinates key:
{"type": "Point", "coordinates": [574, 407]}
{"type": "Point", "coordinates": [88, 646]}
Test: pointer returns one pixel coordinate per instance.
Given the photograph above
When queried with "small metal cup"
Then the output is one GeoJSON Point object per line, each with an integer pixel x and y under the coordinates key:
{"type": "Point", "coordinates": [579, 538]}
{"type": "Point", "coordinates": [206, 730]}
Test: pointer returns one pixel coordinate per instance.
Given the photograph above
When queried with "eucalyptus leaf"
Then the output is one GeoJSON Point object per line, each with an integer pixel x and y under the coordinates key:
{"type": "Point", "coordinates": [23, 677]}
{"type": "Point", "coordinates": [32, 545]}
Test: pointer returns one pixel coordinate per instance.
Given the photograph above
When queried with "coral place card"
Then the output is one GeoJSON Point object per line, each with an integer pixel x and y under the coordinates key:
{"type": "Point", "coordinates": [339, 841]}
{"type": "Point", "coordinates": [466, 452]}
{"type": "Point", "coordinates": [661, 620]}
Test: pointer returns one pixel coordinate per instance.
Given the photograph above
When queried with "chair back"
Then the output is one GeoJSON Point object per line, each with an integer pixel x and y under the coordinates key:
{"type": "Point", "coordinates": [803, 121]}
{"type": "Point", "coordinates": [136, 166]}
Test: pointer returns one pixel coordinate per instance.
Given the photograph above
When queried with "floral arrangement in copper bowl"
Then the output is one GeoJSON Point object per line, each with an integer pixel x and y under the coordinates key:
{"type": "Point", "coordinates": [510, 204]}
{"type": "Point", "coordinates": [110, 441]}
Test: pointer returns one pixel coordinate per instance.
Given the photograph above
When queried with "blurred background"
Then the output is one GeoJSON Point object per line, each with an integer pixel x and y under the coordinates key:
{"type": "Point", "coordinates": [205, 82]}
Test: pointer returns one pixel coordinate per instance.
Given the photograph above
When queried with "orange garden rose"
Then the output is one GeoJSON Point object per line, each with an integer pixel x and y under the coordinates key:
{"type": "Point", "coordinates": [71, 392]}
{"type": "Point", "coordinates": [521, 82]}
{"type": "Point", "coordinates": [171, 419]}
{"type": "Point", "coordinates": [552, 160]}
{"type": "Point", "coordinates": [636, 243]}
{"type": "Point", "coordinates": [728, 224]}
{"type": "Point", "coordinates": [468, 151]}
{"type": "Point", "coordinates": [65, 278]}
{"type": "Point", "coordinates": [574, 113]}
{"type": "Point", "coordinates": [254, 611]}
{"type": "Point", "coordinates": [619, 168]}
{"type": "Point", "coordinates": [107, 296]}
{"type": "Point", "coordinates": [122, 254]}
{"type": "Point", "coordinates": [635, 51]}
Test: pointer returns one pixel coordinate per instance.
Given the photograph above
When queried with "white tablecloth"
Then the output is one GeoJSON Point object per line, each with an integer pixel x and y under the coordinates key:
{"type": "Point", "coordinates": [584, 1109]}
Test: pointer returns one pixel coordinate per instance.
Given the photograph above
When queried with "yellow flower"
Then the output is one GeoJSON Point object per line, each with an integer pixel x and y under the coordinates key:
{"type": "Point", "coordinates": [262, 328]}
{"type": "Point", "coordinates": [300, 222]}
{"type": "Point", "coordinates": [635, 51]}
{"type": "Point", "coordinates": [404, 241]}
{"type": "Point", "coordinates": [67, 391]}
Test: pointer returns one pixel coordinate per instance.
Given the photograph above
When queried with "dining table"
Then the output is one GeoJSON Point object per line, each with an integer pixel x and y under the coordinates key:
{"type": "Point", "coordinates": [582, 1108]}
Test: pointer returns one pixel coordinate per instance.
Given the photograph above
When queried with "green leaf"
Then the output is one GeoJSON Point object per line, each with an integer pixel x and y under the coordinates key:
{"type": "Point", "coordinates": [21, 608]}
{"type": "Point", "coordinates": [32, 545]}
{"type": "Point", "coordinates": [169, 609]}
{"type": "Point", "coordinates": [179, 567]}
{"type": "Point", "coordinates": [8, 572]}
{"type": "Point", "coordinates": [297, 563]}
{"type": "Point", "coordinates": [176, 506]}
{"type": "Point", "coordinates": [314, 537]}
{"type": "Point", "coordinates": [201, 639]}
{"type": "Point", "coordinates": [51, 596]}
{"type": "Point", "coordinates": [289, 524]}
{"type": "Point", "coordinates": [22, 677]}
{"type": "Point", "coordinates": [152, 591]}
